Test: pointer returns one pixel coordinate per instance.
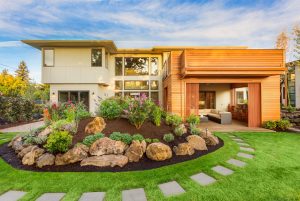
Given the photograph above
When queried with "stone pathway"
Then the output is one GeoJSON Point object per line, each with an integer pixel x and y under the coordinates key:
{"type": "Point", "coordinates": [92, 196]}
{"type": "Point", "coordinates": [51, 197]}
{"type": "Point", "coordinates": [23, 128]}
{"type": "Point", "coordinates": [137, 194]}
{"type": "Point", "coordinates": [171, 188]}
{"type": "Point", "coordinates": [168, 189]}
{"type": "Point", "coordinates": [12, 195]}
{"type": "Point", "coordinates": [203, 179]}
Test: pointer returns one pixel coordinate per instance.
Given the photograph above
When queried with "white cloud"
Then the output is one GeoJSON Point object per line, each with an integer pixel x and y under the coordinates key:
{"type": "Point", "coordinates": [10, 44]}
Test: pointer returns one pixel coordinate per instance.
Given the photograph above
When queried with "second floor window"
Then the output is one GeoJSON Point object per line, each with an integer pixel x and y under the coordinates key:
{"type": "Point", "coordinates": [136, 66]}
{"type": "Point", "coordinates": [48, 57]}
{"type": "Point", "coordinates": [96, 57]}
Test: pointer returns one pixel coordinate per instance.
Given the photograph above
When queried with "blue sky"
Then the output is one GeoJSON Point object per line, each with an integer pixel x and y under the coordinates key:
{"type": "Point", "coordinates": [140, 24]}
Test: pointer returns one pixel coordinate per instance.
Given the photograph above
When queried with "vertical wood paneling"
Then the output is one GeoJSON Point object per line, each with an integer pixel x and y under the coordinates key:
{"type": "Point", "coordinates": [254, 105]}
{"type": "Point", "coordinates": [192, 99]}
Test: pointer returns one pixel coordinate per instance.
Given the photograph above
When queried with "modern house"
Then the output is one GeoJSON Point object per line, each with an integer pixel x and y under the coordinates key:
{"type": "Point", "coordinates": [237, 80]}
{"type": "Point", "coordinates": [293, 82]}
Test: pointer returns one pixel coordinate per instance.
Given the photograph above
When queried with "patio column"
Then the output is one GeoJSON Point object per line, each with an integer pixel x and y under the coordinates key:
{"type": "Point", "coordinates": [192, 98]}
{"type": "Point", "coordinates": [254, 105]}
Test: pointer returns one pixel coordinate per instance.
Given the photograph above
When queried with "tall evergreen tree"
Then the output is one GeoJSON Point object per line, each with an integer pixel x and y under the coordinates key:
{"type": "Point", "coordinates": [23, 72]}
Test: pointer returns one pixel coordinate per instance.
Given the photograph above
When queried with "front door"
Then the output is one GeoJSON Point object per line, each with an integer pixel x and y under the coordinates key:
{"type": "Point", "coordinates": [254, 105]}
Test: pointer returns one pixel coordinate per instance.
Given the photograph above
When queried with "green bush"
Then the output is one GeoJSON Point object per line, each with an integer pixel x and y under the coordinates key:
{"type": "Point", "coordinates": [168, 137]}
{"type": "Point", "coordinates": [155, 140]}
{"type": "Point", "coordinates": [138, 137]}
{"type": "Point", "coordinates": [90, 139]}
{"type": "Point", "coordinates": [58, 141]}
{"type": "Point", "coordinates": [194, 130]}
{"type": "Point", "coordinates": [270, 125]}
{"type": "Point", "coordinates": [81, 112]}
{"type": "Point", "coordinates": [179, 130]}
{"type": "Point", "coordinates": [156, 115]}
{"type": "Point", "coordinates": [148, 140]}
{"type": "Point", "coordinates": [283, 124]}
{"type": "Point", "coordinates": [110, 109]}
{"type": "Point", "coordinates": [173, 119]}
{"type": "Point", "coordinates": [290, 108]}
{"type": "Point", "coordinates": [32, 139]}
{"type": "Point", "coordinates": [124, 137]}
{"type": "Point", "coordinates": [65, 125]}
{"type": "Point", "coordinates": [193, 119]}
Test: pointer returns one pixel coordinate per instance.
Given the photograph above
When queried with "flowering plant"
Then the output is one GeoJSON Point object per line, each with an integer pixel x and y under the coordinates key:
{"type": "Point", "coordinates": [138, 110]}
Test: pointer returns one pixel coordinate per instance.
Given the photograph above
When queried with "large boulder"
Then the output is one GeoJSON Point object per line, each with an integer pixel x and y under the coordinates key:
{"type": "Point", "coordinates": [158, 151]}
{"type": "Point", "coordinates": [209, 138]}
{"type": "Point", "coordinates": [30, 157]}
{"type": "Point", "coordinates": [105, 160]}
{"type": "Point", "coordinates": [95, 126]}
{"type": "Point", "coordinates": [136, 150]}
{"type": "Point", "coordinates": [106, 146]}
{"type": "Point", "coordinates": [17, 144]}
{"type": "Point", "coordinates": [45, 132]}
{"type": "Point", "coordinates": [197, 142]}
{"type": "Point", "coordinates": [26, 150]}
{"type": "Point", "coordinates": [78, 153]}
{"type": "Point", "coordinates": [45, 159]}
{"type": "Point", "coordinates": [184, 149]}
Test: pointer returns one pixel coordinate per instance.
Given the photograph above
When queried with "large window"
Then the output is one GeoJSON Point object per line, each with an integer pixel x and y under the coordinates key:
{"type": "Point", "coordinates": [207, 100]}
{"type": "Point", "coordinates": [118, 66]}
{"type": "Point", "coordinates": [154, 66]}
{"type": "Point", "coordinates": [136, 66]}
{"type": "Point", "coordinates": [48, 57]}
{"type": "Point", "coordinates": [136, 85]}
{"type": "Point", "coordinates": [96, 57]}
{"type": "Point", "coordinates": [240, 97]}
{"type": "Point", "coordinates": [74, 97]}
{"type": "Point", "coordinates": [118, 85]}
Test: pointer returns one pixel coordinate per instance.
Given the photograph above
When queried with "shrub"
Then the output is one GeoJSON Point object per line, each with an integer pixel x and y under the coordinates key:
{"type": "Point", "coordinates": [65, 125]}
{"type": "Point", "coordinates": [156, 115]}
{"type": "Point", "coordinates": [138, 110]}
{"type": "Point", "coordinates": [58, 141]}
{"type": "Point", "coordinates": [155, 140]}
{"type": "Point", "coordinates": [90, 139]}
{"type": "Point", "coordinates": [270, 125]}
{"type": "Point", "coordinates": [290, 108]}
{"type": "Point", "coordinates": [32, 139]}
{"type": "Point", "coordinates": [173, 119]}
{"type": "Point", "coordinates": [81, 112]}
{"type": "Point", "coordinates": [110, 109]}
{"type": "Point", "coordinates": [283, 124]}
{"type": "Point", "coordinates": [116, 136]}
{"type": "Point", "coordinates": [180, 130]}
{"type": "Point", "coordinates": [126, 138]}
{"type": "Point", "coordinates": [193, 119]}
{"type": "Point", "coordinates": [194, 130]}
{"type": "Point", "coordinates": [138, 137]}
{"type": "Point", "coordinates": [148, 140]}
{"type": "Point", "coordinates": [168, 137]}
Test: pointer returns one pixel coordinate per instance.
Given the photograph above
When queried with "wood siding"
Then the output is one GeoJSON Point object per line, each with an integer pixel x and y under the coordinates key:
{"type": "Point", "coordinates": [192, 99]}
{"type": "Point", "coordinates": [254, 105]}
{"type": "Point", "coordinates": [233, 62]}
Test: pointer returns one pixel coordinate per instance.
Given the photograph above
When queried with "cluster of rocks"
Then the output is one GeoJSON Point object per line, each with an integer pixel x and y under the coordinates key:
{"type": "Point", "coordinates": [107, 152]}
{"type": "Point", "coordinates": [293, 117]}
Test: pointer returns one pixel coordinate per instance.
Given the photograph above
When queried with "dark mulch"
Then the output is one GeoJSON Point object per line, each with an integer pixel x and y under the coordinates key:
{"type": "Point", "coordinates": [10, 157]}
{"type": "Point", "coordinates": [148, 130]}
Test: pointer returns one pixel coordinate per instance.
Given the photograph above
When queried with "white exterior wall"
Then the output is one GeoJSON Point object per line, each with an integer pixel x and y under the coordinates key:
{"type": "Point", "coordinates": [222, 94]}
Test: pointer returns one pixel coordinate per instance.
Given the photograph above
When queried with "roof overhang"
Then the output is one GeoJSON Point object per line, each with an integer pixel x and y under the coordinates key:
{"type": "Point", "coordinates": [109, 45]}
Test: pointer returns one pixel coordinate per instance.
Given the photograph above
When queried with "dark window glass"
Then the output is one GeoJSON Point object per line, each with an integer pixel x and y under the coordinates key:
{"type": "Point", "coordinates": [84, 98]}
{"type": "Point", "coordinates": [74, 96]}
{"type": "Point", "coordinates": [207, 100]}
{"type": "Point", "coordinates": [136, 94]}
{"type": "Point", "coordinates": [136, 85]}
{"type": "Point", "coordinates": [136, 66]}
{"type": "Point", "coordinates": [63, 96]}
{"type": "Point", "coordinates": [96, 57]}
{"type": "Point", "coordinates": [154, 85]}
{"type": "Point", "coordinates": [118, 66]}
{"type": "Point", "coordinates": [154, 66]}
{"type": "Point", "coordinates": [118, 85]}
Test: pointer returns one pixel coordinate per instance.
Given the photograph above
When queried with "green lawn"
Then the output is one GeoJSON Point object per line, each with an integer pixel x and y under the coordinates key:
{"type": "Point", "coordinates": [274, 174]}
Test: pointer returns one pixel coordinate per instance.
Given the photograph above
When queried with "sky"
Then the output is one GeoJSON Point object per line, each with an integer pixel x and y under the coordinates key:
{"type": "Point", "coordinates": [144, 23]}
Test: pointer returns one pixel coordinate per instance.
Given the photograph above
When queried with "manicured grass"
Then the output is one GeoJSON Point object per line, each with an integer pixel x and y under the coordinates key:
{"type": "Point", "coordinates": [274, 174]}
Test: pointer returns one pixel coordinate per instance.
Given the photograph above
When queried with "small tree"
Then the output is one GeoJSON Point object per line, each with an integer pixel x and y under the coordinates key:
{"type": "Point", "coordinates": [23, 72]}
{"type": "Point", "coordinates": [296, 38]}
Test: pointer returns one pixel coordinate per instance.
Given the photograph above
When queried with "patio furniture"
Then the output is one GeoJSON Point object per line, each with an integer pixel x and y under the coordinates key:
{"type": "Point", "coordinates": [217, 116]}
{"type": "Point", "coordinates": [203, 119]}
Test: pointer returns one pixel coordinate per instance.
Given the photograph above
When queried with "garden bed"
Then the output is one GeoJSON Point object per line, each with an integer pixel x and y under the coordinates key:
{"type": "Point", "coordinates": [8, 155]}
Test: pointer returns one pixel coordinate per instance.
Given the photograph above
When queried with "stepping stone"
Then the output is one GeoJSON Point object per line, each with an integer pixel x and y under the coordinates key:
{"type": "Point", "coordinates": [247, 149]}
{"type": "Point", "coordinates": [236, 162]}
{"type": "Point", "coordinates": [231, 136]}
{"type": "Point", "coordinates": [237, 140]}
{"type": "Point", "coordinates": [171, 188]}
{"type": "Point", "coordinates": [51, 197]}
{"type": "Point", "coordinates": [243, 144]}
{"type": "Point", "coordinates": [203, 179]}
{"type": "Point", "coordinates": [92, 196]}
{"type": "Point", "coordinates": [137, 194]}
{"type": "Point", "coordinates": [12, 195]}
{"type": "Point", "coordinates": [244, 155]}
{"type": "Point", "coordinates": [222, 170]}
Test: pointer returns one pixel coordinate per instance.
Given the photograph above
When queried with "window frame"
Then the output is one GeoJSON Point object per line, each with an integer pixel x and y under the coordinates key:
{"type": "Point", "coordinates": [53, 59]}
{"type": "Point", "coordinates": [100, 48]}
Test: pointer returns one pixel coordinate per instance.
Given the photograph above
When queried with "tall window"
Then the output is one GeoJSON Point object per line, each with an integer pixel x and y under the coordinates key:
{"type": "Point", "coordinates": [96, 57]}
{"type": "Point", "coordinates": [48, 57]}
{"type": "Point", "coordinates": [136, 66]}
{"type": "Point", "coordinates": [240, 97]}
{"type": "Point", "coordinates": [154, 66]}
{"type": "Point", "coordinates": [118, 66]}
{"type": "Point", "coordinates": [207, 100]}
